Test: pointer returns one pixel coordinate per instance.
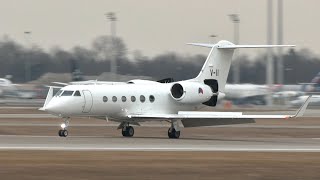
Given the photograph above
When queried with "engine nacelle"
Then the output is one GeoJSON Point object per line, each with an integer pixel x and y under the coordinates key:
{"type": "Point", "coordinates": [191, 92]}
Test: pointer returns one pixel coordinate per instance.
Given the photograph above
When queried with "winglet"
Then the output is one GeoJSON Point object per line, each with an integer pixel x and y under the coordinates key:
{"type": "Point", "coordinates": [303, 108]}
{"type": "Point", "coordinates": [48, 99]}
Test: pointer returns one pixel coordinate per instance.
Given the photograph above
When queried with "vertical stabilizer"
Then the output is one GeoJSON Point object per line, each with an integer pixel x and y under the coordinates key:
{"type": "Point", "coordinates": [217, 64]}
{"type": "Point", "coordinates": [216, 68]}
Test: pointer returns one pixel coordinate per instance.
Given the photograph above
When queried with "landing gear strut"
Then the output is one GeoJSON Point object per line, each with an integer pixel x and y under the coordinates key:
{"type": "Point", "coordinates": [174, 131]}
{"type": "Point", "coordinates": [63, 132]}
{"type": "Point", "coordinates": [127, 130]}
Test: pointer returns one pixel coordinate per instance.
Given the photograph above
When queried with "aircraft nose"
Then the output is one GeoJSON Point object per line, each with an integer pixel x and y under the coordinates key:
{"type": "Point", "coordinates": [52, 108]}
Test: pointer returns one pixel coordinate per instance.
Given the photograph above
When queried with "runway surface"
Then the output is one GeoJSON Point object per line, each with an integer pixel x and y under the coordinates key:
{"type": "Point", "coordinates": [24, 129]}
{"type": "Point", "coordinates": [268, 149]}
{"type": "Point", "coordinates": [102, 143]}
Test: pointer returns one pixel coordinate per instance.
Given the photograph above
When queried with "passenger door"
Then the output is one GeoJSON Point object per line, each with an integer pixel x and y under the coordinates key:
{"type": "Point", "coordinates": [88, 101]}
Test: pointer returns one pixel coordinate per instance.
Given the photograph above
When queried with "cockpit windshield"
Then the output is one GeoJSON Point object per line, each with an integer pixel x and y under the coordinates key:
{"type": "Point", "coordinates": [58, 93]}
{"type": "Point", "coordinates": [67, 93]}
{"type": "Point", "coordinates": [77, 93]}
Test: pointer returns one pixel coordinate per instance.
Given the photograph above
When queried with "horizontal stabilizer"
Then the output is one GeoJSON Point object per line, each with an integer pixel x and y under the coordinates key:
{"type": "Point", "coordinates": [202, 44]}
{"type": "Point", "coordinates": [252, 46]}
{"type": "Point", "coordinates": [232, 46]}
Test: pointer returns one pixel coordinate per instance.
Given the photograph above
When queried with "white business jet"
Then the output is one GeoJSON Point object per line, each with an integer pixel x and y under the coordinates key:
{"type": "Point", "coordinates": [142, 100]}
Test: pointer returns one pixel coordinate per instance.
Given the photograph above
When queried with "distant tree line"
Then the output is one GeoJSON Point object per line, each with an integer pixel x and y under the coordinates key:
{"type": "Point", "coordinates": [300, 66]}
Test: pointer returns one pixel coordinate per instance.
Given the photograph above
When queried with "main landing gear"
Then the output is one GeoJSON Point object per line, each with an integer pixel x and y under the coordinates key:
{"type": "Point", "coordinates": [127, 131]}
{"type": "Point", "coordinates": [173, 134]}
{"type": "Point", "coordinates": [63, 132]}
{"type": "Point", "coordinates": [174, 130]}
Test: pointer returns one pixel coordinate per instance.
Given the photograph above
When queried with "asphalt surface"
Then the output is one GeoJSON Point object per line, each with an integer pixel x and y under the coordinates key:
{"type": "Point", "coordinates": [103, 143]}
{"type": "Point", "coordinates": [21, 130]}
{"type": "Point", "coordinates": [268, 149]}
{"type": "Point", "coordinates": [99, 136]}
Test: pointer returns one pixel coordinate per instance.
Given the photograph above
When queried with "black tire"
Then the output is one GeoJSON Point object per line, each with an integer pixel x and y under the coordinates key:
{"type": "Point", "coordinates": [170, 133]}
{"type": "Point", "coordinates": [177, 134]}
{"type": "Point", "coordinates": [65, 133]}
{"type": "Point", "coordinates": [124, 132]}
{"type": "Point", "coordinates": [173, 134]}
{"type": "Point", "coordinates": [60, 133]}
{"type": "Point", "coordinates": [130, 131]}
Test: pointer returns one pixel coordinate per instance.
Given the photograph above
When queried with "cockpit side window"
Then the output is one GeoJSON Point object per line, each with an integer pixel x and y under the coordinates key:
{"type": "Point", "coordinates": [77, 93]}
{"type": "Point", "coordinates": [58, 93]}
{"type": "Point", "coordinates": [67, 93]}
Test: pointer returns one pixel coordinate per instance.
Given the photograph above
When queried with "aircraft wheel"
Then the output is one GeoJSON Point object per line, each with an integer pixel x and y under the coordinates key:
{"type": "Point", "coordinates": [127, 131]}
{"type": "Point", "coordinates": [60, 133]}
{"type": "Point", "coordinates": [173, 134]}
{"type": "Point", "coordinates": [177, 134]}
{"type": "Point", "coordinates": [130, 131]}
{"type": "Point", "coordinates": [170, 133]}
{"type": "Point", "coordinates": [65, 133]}
{"type": "Point", "coordinates": [124, 132]}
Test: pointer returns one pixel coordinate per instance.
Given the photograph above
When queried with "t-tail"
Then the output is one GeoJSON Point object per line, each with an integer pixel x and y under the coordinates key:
{"type": "Point", "coordinates": [217, 65]}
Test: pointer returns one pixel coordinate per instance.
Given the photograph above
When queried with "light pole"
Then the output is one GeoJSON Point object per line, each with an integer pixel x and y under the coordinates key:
{"type": "Point", "coordinates": [236, 66]}
{"type": "Point", "coordinates": [269, 69]}
{"type": "Point", "coordinates": [280, 72]}
{"type": "Point", "coordinates": [27, 65]}
{"type": "Point", "coordinates": [111, 16]}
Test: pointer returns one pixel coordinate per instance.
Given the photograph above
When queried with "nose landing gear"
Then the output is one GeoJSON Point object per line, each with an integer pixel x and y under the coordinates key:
{"type": "Point", "coordinates": [63, 132]}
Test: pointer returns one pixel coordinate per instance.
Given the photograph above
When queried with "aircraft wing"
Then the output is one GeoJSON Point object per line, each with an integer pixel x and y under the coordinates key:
{"type": "Point", "coordinates": [208, 115]}
{"type": "Point", "coordinates": [218, 118]}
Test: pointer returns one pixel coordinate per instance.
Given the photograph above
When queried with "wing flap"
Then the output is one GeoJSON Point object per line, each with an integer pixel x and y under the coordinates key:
{"type": "Point", "coordinates": [214, 122]}
{"type": "Point", "coordinates": [206, 115]}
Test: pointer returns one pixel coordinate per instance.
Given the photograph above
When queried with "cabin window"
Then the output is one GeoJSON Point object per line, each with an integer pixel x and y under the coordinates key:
{"type": "Point", "coordinates": [104, 98]}
{"type": "Point", "coordinates": [151, 98]}
{"type": "Point", "coordinates": [133, 99]}
{"type": "Point", "coordinates": [142, 98]}
{"type": "Point", "coordinates": [114, 99]}
{"type": "Point", "coordinates": [58, 93]}
{"type": "Point", "coordinates": [67, 93]}
{"type": "Point", "coordinates": [77, 93]}
{"type": "Point", "coordinates": [124, 99]}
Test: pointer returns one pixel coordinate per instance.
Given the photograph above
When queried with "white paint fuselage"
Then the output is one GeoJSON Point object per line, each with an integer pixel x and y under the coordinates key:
{"type": "Point", "coordinates": [91, 102]}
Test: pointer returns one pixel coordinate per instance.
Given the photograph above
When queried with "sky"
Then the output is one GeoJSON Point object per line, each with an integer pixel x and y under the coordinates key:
{"type": "Point", "coordinates": [156, 26]}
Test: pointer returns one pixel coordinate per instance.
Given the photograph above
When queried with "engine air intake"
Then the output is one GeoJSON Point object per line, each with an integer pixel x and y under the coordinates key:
{"type": "Point", "coordinates": [177, 91]}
